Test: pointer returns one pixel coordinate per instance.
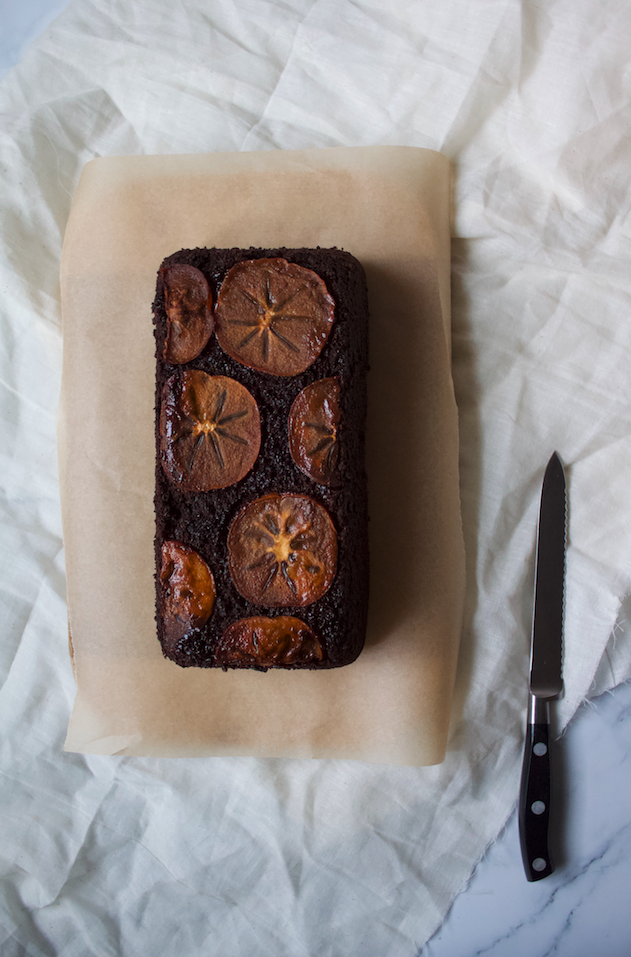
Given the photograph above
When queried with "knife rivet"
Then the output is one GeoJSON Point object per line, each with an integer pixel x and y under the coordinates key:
{"type": "Point", "coordinates": [540, 749]}
{"type": "Point", "coordinates": [539, 864]}
{"type": "Point", "coordinates": [537, 807]}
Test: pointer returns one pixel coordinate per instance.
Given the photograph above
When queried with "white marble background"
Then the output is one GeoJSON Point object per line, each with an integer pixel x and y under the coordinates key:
{"type": "Point", "coordinates": [583, 909]}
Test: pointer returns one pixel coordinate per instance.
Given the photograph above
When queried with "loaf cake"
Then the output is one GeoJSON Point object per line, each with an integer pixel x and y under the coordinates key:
{"type": "Point", "coordinates": [261, 543]}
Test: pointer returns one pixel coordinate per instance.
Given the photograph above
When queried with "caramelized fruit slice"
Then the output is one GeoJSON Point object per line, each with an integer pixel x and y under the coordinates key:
{"type": "Point", "coordinates": [273, 316]}
{"type": "Point", "coordinates": [188, 302]}
{"type": "Point", "coordinates": [282, 551]}
{"type": "Point", "coordinates": [313, 422]}
{"type": "Point", "coordinates": [187, 590]}
{"type": "Point", "coordinates": [269, 642]}
{"type": "Point", "coordinates": [210, 431]}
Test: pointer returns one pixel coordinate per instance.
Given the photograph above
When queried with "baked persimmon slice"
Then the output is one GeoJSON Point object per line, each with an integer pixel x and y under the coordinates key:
{"type": "Point", "coordinates": [273, 316]}
{"type": "Point", "coordinates": [282, 551]}
{"type": "Point", "coordinates": [210, 431]}
{"type": "Point", "coordinates": [188, 303]}
{"type": "Point", "coordinates": [187, 589]}
{"type": "Point", "coordinates": [263, 642]}
{"type": "Point", "coordinates": [313, 431]}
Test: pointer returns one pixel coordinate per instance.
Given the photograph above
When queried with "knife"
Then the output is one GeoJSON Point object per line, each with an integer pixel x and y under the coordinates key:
{"type": "Point", "coordinates": [546, 682]}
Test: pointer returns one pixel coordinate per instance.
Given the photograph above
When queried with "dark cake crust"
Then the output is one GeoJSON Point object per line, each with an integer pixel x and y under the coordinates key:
{"type": "Point", "coordinates": [202, 520]}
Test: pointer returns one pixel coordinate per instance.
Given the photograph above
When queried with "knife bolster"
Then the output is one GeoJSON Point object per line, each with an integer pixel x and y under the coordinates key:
{"type": "Point", "coordinates": [539, 710]}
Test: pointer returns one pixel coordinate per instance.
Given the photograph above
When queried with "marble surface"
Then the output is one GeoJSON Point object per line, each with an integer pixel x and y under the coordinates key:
{"type": "Point", "coordinates": [21, 22]}
{"type": "Point", "coordinates": [582, 909]}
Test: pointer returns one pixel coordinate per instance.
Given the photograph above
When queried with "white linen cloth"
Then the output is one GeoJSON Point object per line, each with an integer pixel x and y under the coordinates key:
{"type": "Point", "coordinates": [245, 856]}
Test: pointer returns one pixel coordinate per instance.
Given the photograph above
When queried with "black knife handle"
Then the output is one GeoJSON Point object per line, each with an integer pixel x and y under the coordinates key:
{"type": "Point", "coordinates": [534, 797]}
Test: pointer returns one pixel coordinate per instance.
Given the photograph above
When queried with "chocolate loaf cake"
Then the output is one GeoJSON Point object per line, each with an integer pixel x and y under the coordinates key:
{"type": "Point", "coordinates": [261, 541]}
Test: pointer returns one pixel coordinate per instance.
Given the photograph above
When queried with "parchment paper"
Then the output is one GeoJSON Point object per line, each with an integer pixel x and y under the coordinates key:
{"type": "Point", "coordinates": [388, 206]}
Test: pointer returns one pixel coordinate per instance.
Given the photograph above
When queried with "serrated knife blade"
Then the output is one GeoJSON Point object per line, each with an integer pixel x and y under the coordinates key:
{"type": "Point", "coordinates": [546, 671]}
